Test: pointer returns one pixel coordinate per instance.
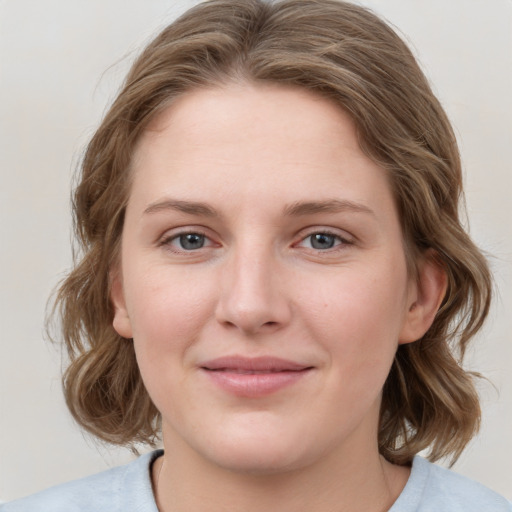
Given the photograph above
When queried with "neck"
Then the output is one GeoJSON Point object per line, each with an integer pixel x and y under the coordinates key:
{"type": "Point", "coordinates": [365, 482]}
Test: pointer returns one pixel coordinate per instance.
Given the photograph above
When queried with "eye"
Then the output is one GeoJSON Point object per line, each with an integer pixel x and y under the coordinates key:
{"type": "Point", "coordinates": [191, 241]}
{"type": "Point", "coordinates": [322, 241]}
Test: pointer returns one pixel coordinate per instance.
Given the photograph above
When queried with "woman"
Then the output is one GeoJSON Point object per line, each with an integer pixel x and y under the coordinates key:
{"type": "Point", "coordinates": [273, 274]}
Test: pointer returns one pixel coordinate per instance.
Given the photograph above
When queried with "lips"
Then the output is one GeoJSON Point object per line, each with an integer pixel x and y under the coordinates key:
{"type": "Point", "coordinates": [254, 377]}
{"type": "Point", "coordinates": [253, 365]}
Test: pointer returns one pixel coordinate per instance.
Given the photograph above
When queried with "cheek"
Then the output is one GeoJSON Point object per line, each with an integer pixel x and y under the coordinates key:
{"type": "Point", "coordinates": [357, 300]}
{"type": "Point", "coordinates": [357, 317]}
{"type": "Point", "coordinates": [166, 304]}
{"type": "Point", "coordinates": [167, 313]}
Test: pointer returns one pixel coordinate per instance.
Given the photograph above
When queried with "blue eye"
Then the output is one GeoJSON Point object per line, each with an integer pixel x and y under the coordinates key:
{"type": "Point", "coordinates": [190, 241]}
{"type": "Point", "coordinates": [323, 240]}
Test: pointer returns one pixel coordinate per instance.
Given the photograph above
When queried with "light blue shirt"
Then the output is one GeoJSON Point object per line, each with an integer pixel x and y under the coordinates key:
{"type": "Point", "coordinates": [430, 488]}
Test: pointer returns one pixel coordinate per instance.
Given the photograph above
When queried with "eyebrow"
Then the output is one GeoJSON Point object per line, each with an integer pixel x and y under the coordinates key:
{"type": "Point", "coordinates": [329, 206]}
{"type": "Point", "coordinates": [190, 207]}
{"type": "Point", "coordinates": [296, 209]}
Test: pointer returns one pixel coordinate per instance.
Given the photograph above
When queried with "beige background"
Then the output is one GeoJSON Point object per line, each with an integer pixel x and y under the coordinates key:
{"type": "Point", "coordinates": [60, 64]}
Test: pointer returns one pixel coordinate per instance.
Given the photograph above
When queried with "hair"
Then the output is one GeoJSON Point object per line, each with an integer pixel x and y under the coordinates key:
{"type": "Point", "coordinates": [347, 54]}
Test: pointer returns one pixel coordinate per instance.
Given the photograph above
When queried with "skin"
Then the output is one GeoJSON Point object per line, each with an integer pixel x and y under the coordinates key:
{"type": "Point", "coordinates": [270, 167]}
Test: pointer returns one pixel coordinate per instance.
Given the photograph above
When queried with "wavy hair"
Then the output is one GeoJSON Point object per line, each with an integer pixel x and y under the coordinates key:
{"type": "Point", "coordinates": [342, 52]}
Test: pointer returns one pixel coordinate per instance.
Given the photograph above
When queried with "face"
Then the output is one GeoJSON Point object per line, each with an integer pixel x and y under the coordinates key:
{"type": "Point", "coordinates": [262, 279]}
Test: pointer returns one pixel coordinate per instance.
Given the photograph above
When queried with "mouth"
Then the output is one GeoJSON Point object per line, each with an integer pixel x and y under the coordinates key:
{"type": "Point", "coordinates": [254, 377]}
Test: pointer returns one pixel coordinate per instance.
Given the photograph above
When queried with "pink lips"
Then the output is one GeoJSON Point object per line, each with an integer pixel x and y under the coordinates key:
{"type": "Point", "coordinates": [254, 377]}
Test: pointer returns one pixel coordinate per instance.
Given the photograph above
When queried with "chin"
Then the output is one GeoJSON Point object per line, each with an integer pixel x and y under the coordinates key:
{"type": "Point", "coordinates": [258, 460]}
{"type": "Point", "coordinates": [264, 451]}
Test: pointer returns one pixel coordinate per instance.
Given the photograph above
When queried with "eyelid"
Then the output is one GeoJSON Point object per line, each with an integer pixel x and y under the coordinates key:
{"type": "Point", "coordinates": [345, 239]}
{"type": "Point", "coordinates": [173, 234]}
{"type": "Point", "coordinates": [339, 233]}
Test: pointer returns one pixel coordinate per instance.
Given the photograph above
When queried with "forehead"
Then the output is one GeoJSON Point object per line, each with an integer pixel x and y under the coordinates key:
{"type": "Point", "coordinates": [273, 141]}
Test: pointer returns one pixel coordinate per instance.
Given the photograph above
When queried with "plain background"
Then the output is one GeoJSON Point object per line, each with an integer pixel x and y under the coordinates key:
{"type": "Point", "coordinates": [61, 63]}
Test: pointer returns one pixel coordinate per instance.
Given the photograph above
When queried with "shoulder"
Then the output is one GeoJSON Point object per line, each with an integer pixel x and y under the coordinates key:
{"type": "Point", "coordinates": [119, 489]}
{"type": "Point", "coordinates": [432, 488]}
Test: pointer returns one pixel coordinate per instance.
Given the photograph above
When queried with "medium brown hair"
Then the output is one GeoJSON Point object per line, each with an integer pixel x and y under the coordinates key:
{"type": "Point", "coordinates": [347, 54]}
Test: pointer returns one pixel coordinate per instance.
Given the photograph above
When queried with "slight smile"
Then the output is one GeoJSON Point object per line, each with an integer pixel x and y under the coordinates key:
{"type": "Point", "coordinates": [254, 377]}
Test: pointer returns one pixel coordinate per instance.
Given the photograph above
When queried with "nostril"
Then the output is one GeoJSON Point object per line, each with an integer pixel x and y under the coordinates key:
{"type": "Point", "coordinates": [251, 312]}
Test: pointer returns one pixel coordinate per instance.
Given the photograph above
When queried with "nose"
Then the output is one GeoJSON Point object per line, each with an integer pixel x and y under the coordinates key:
{"type": "Point", "coordinates": [253, 294]}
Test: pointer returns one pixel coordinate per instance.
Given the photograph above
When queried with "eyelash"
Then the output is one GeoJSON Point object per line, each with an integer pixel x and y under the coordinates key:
{"type": "Point", "coordinates": [167, 241]}
{"type": "Point", "coordinates": [340, 242]}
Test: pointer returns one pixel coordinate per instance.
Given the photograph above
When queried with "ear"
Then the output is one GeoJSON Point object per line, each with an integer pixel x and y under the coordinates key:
{"type": "Point", "coordinates": [425, 297]}
{"type": "Point", "coordinates": [121, 321]}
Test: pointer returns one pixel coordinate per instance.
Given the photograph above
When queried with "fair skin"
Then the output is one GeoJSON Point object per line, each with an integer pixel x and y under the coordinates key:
{"type": "Point", "coordinates": [263, 280]}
